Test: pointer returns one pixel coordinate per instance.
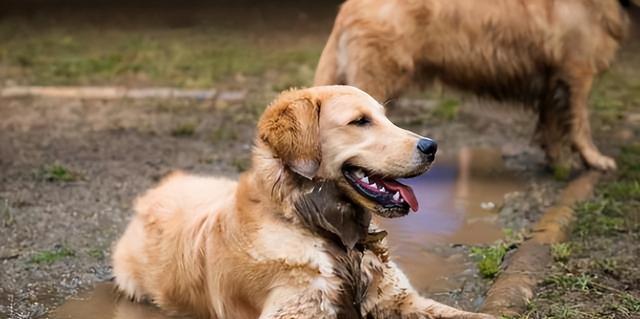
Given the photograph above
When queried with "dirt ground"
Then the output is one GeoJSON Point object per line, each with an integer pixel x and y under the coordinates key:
{"type": "Point", "coordinates": [70, 168]}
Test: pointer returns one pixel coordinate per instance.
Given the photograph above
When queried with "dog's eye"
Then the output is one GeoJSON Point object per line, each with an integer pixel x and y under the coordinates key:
{"type": "Point", "coordinates": [361, 121]}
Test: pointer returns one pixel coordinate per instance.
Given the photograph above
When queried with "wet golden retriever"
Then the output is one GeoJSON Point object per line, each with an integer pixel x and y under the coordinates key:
{"type": "Point", "coordinates": [544, 53]}
{"type": "Point", "coordinates": [293, 237]}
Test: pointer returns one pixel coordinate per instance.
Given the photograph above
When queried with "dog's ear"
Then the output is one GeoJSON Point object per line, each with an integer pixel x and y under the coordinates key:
{"type": "Point", "coordinates": [289, 126]}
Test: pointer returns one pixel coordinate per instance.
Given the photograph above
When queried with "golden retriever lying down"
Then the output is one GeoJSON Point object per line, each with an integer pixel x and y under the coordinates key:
{"type": "Point", "coordinates": [544, 53]}
{"type": "Point", "coordinates": [293, 237]}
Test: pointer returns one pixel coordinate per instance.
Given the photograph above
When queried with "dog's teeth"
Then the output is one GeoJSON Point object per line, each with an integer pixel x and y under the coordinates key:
{"type": "Point", "coordinates": [396, 196]}
{"type": "Point", "coordinates": [365, 180]}
{"type": "Point", "coordinates": [401, 200]}
{"type": "Point", "coordinates": [359, 174]}
{"type": "Point", "coordinates": [374, 185]}
{"type": "Point", "coordinates": [382, 189]}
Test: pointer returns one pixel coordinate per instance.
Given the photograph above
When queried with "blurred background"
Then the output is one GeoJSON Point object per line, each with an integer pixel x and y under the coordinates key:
{"type": "Point", "coordinates": [70, 165]}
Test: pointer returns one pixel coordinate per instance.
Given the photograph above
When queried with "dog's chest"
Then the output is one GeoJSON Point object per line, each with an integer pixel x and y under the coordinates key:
{"type": "Point", "coordinates": [359, 271]}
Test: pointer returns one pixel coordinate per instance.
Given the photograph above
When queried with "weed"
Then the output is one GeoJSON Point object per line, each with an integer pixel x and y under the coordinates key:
{"type": "Point", "coordinates": [96, 253]}
{"type": "Point", "coordinates": [7, 215]}
{"type": "Point", "coordinates": [570, 281]}
{"type": "Point", "coordinates": [184, 130]}
{"type": "Point", "coordinates": [56, 173]}
{"type": "Point", "coordinates": [51, 256]}
{"type": "Point", "coordinates": [631, 303]}
{"type": "Point", "coordinates": [561, 171]}
{"type": "Point", "coordinates": [561, 252]}
{"type": "Point", "coordinates": [447, 109]}
{"type": "Point", "coordinates": [489, 258]}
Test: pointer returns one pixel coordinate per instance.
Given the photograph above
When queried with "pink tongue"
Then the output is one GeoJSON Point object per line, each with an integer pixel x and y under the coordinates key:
{"type": "Point", "coordinates": [405, 191]}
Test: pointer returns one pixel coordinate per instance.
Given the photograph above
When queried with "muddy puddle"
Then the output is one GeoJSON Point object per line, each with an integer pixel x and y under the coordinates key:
{"type": "Point", "coordinates": [104, 303]}
{"type": "Point", "coordinates": [459, 202]}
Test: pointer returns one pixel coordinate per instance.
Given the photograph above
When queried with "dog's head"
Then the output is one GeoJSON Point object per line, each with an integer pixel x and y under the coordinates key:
{"type": "Point", "coordinates": [341, 134]}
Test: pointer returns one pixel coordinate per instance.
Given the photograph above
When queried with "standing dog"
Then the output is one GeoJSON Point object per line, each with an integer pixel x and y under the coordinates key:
{"type": "Point", "coordinates": [293, 237]}
{"type": "Point", "coordinates": [544, 53]}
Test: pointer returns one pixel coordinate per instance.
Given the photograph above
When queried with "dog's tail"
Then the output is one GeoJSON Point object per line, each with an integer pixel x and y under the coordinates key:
{"type": "Point", "coordinates": [327, 72]}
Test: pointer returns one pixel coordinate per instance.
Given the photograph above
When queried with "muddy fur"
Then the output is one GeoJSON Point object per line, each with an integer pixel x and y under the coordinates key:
{"type": "Point", "coordinates": [288, 240]}
{"type": "Point", "coordinates": [542, 53]}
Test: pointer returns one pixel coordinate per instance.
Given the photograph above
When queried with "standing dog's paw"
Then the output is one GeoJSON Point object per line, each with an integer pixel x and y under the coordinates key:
{"type": "Point", "coordinates": [599, 161]}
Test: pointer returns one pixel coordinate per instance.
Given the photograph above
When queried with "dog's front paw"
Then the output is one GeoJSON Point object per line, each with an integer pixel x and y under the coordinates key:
{"type": "Point", "coordinates": [599, 161]}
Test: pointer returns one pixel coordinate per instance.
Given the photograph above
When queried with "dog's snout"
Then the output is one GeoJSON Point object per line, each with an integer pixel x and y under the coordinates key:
{"type": "Point", "coordinates": [428, 147]}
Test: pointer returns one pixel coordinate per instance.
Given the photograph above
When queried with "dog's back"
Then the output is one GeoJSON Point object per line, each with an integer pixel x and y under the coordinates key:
{"type": "Point", "coordinates": [503, 49]}
{"type": "Point", "coordinates": [158, 257]}
{"type": "Point", "coordinates": [543, 53]}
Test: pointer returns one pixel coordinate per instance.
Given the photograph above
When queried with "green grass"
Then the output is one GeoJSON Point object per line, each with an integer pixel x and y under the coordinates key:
{"type": "Point", "coordinates": [595, 275]}
{"type": "Point", "coordinates": [199, 57]}
{"type": "Point", "coordinates": [51, 256]}
{"type": "Point", "coordinates": [447, 109]}
{"type": "Point", "coordinates": [96, 253]}
{"type": "Point", "coordinates": [56, 173]}
{"type": "Point", "coordinates": [489, 258]}
{"type": "Point", "coordinates": [561, 171]}
{"type": "Point", "coordinates": [561, 252]}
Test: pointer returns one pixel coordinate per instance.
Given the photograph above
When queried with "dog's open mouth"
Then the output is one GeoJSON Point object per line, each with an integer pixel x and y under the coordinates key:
{"type": "Point", "coordinates": [385, 191]}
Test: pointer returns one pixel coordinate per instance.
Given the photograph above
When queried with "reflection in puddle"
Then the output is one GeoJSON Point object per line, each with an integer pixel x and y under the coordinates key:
{"type": "Point", "coordinates": [458, 199]}
{"type": "Point", "coordinates": [103, 303]}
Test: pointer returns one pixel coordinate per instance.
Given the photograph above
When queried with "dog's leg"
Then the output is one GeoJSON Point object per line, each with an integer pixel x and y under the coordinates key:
{"type": "Point", "coordinates": [580, 87]}
{"type": "Point", "coordinates": [553, 122]}
{"type": "Point", "coordinates": [287, 303]}
{"type": "Point", "coordinates": [400, 300]}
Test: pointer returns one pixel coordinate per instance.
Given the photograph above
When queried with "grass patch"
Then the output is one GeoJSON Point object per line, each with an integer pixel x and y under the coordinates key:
{"type": "Point", "coordinates": [96, 253]}
{"type": "Point", "coordinates": [56, 173]}
{"type": "Point", "coordinates": [490, 258]}
{"type": "Point", "coordinates": [447, 109]}
{"type": "Point", "coordinates": [561, 252]}
{"type": "Point", "coordinates": [596, 274]}
{"type": "Point", "coordinates": [184, 130]}
{"type": "Point", "coordinates": [198, 57]}
{"type": "Point", "coordinates": [561, 172]}
{"type": "Point", "coordinates": [51, 256]}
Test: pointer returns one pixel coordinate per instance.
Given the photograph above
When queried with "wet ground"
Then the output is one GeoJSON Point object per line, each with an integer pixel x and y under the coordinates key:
{"type": "Point", "coordinates": [70, 168]}
{"type": "Point", "coordinates": [59, 232]}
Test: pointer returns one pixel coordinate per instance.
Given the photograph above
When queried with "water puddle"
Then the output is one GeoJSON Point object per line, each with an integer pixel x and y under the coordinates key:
{"type": "Point", "coordinates": [103, 303]}
{"type": "Point", "coordinates": [459, 199]}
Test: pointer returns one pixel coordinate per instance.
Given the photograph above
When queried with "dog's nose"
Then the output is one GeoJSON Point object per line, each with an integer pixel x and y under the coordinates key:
{"type": "Point", "coordinates": [428, 147]}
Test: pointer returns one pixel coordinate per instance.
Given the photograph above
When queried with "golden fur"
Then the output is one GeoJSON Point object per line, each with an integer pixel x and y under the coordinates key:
{"type": "Point", "coordinates": [217, 248]}
{"type": "Point", "coordinates": [541, 52]}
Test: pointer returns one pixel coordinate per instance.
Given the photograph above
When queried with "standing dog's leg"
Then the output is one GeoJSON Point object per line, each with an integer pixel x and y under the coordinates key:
{"type": "Point", "coordinates": [580, 86]}
{"type": "Point", "coordinates": [400, 300]}
{"type": "Point", "coordinates": [554, 122]}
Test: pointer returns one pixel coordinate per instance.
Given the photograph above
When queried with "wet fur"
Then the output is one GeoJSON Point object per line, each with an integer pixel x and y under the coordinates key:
{"type": "Point", "coordinates": [277, 244]}
{"type": "Point", "coordinates": [544, 53]}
